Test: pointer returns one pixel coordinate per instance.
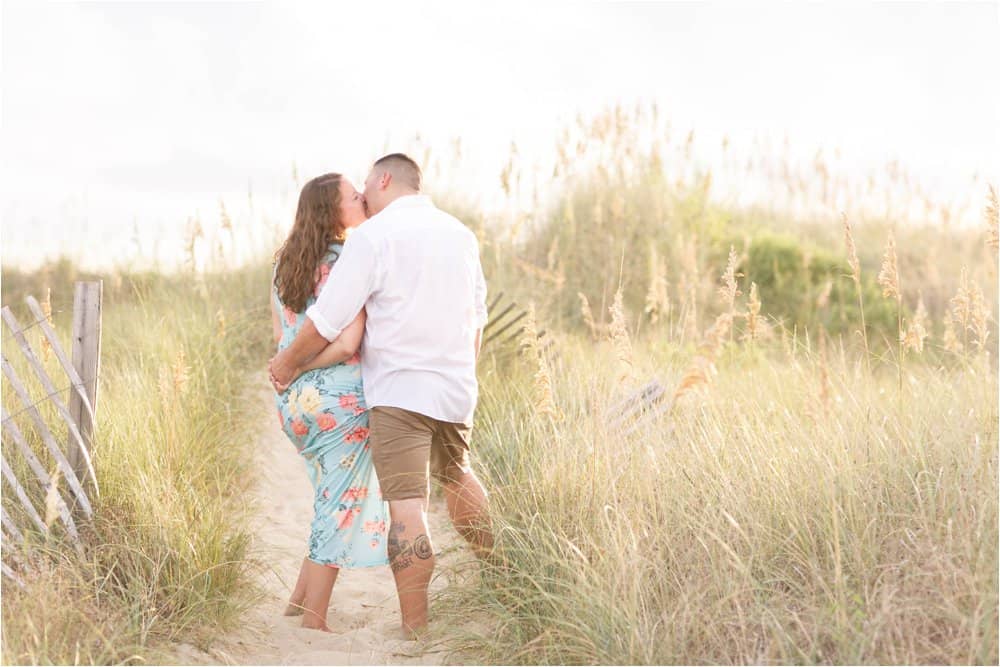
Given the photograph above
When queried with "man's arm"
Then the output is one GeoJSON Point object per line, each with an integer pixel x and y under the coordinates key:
{"type": "Point", "coordinates": [348, 287]}
{"type": "Point", "coordinates": [481, 314]}
{"type": "Point", "coordinates": [343, 348]}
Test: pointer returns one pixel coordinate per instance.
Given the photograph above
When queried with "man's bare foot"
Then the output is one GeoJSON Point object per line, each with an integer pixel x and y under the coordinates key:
{"type": "Point", "coordinates": [294, 609]}
{"type": "Point", "coordinates": [413, 634]}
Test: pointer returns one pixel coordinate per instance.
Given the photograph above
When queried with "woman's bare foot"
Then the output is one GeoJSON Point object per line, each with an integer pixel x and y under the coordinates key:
{"type": "Point", "coordinates": [298, 597]}
{"type": "Point", "coordinates": [316, 602]}
{"type": "Point", "coordinates": [312, 622]}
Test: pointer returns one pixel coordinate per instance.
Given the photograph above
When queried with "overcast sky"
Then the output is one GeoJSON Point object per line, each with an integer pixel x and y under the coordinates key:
{"type": "Point", "coordinates": [127, 115]}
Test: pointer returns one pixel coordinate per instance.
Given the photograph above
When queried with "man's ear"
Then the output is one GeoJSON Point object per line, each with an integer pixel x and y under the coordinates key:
{"type": "Point", "coordinates": [384, 181]}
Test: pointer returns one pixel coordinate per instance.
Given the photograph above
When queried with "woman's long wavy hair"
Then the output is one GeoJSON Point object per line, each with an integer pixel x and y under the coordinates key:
{"type": "Point", "coordinates": [317, 225]}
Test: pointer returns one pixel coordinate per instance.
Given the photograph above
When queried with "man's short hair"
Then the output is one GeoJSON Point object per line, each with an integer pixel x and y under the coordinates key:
{"type": "Point", "coordinates": [402, 168]}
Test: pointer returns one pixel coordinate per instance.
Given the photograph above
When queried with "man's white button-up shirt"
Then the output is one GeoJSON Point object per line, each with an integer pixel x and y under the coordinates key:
{"type": "Point", "coordinates": [417, 272]}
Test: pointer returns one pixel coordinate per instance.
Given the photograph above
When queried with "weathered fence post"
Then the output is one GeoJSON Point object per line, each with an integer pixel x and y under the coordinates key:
{"type": "Point", "coordinates": [87, 362]}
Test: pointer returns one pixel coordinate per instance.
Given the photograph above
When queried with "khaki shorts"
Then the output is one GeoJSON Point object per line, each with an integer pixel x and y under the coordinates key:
{"type": "Point", "coordinates": [407, 447]}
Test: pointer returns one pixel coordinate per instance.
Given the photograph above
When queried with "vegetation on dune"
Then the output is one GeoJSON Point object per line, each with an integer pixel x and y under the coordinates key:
{"type": "Point", "coordinates": [166, 558]}
{"type": "Point", "coordinates": [793, 512]}
{"type": "Point", "coordinates": [818, 484]}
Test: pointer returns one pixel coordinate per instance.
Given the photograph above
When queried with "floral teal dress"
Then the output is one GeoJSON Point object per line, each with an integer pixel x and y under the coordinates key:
{"type": "Point", "coordinates": [324, 414]}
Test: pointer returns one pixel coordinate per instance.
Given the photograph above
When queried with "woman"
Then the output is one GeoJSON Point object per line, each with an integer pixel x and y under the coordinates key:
{"type": "Point", "coordinates": [323, 412]}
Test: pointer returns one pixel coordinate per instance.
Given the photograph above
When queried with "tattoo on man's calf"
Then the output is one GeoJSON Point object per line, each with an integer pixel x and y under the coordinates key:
{"type": "Point", "coordinates": [396, 547]}
{"type": "Point", "coordinates": [400, 563]}
{"type": "Point", "coordinates": [400, 551]}
{"type": "Point", "coordinates": [422, 547]}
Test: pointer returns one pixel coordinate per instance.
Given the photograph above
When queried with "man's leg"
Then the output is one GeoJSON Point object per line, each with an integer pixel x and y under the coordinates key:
{"type": "Point", "coordinates": [411, 557]}
{"type": "Point", "coordinates": [400, 445]}
{"type": "Point", "coordinates": [466, 500]}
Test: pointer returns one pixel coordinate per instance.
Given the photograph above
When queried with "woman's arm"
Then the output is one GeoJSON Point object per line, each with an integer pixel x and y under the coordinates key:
{"type": "Point", "coordinates": [343, 348]}
{"type": "Point", "coordinates": [275, 320]}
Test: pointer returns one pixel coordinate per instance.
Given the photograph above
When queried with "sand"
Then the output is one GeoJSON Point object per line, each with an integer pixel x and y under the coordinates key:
{"type": "Point", "coordinates": [364, 611]}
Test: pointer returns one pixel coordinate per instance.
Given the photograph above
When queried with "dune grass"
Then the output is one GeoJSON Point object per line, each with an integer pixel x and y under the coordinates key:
{"type": "Point", "coordinates": [166, 559]}
{"type": "Point", "coordinates": [822, 490]}
{"type": "Point", "coordinates": [757, 522]}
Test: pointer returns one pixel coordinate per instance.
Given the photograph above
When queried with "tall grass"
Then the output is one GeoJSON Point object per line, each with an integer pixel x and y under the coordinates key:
{"type": "Point", "coordinates": [166, 559]}
{"type": "Point", "coordinates": [824, 487]}
{"type": "Point", "coordinates": [757, 522]}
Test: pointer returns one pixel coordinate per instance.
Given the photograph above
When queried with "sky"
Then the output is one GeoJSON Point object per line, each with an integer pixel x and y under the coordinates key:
{"type": "Point", "coordinates": [120, 121]}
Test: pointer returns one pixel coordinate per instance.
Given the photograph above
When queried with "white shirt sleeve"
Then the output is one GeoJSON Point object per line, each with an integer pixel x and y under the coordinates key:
{"type": "Point", "coordinates": [350, 283]}
{"type": "Point", "coordinates": [481, 315]}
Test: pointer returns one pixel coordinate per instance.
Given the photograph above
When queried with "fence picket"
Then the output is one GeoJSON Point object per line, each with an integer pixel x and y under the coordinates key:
{"type": "Point", "coordinates": [11, 527]}
{"type": "Point", "coordinates": [46, 435]}
{"type": "Point", "coordinates": [8, 475]}
{"type": "Point", "coordinates": [9, 573]}
{"type": "Point", "coordinates": [40, 473]}
{"type": "Point", "coordinates": [50, 335]}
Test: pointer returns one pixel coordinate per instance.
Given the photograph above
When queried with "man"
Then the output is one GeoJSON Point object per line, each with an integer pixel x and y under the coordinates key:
{"type": "Point", "coordinates": [416, 271]}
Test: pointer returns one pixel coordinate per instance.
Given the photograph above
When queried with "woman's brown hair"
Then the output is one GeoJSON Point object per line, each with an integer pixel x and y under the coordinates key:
{"type": "Point", "coordinates": [317, 225]}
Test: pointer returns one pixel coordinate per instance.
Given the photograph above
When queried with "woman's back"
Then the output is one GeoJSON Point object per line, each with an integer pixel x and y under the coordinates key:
{"type": "Point", "coordinates": [292, 321]}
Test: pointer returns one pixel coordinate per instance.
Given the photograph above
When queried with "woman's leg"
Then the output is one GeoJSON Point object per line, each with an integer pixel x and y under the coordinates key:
{"type": "Point", "coordinates": [319, 587]}
{"type": "Point", "coordinates": [298, 596]}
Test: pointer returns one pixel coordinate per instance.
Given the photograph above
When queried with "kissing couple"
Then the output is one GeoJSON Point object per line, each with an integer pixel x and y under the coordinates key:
{"type": "Point", "coordinates": [378, 334]}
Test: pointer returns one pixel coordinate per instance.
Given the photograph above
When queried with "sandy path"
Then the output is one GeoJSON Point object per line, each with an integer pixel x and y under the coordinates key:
{"type": "Point", "coordinates": [364, 610]}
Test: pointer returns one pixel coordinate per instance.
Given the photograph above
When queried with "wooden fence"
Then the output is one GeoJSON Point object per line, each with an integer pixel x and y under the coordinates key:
{"type": "Point", "coordinates": [35, 461]}
{"type": "Point", "coordinates": [502, 330]}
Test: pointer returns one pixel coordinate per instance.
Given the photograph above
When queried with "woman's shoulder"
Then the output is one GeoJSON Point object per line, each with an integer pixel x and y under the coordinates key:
{"type": "Point", "coordinates": [333, 252]}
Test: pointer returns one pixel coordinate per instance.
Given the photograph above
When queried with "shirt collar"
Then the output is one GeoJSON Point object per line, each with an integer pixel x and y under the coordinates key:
{"type": "Point", "coordinates": [407, 201]}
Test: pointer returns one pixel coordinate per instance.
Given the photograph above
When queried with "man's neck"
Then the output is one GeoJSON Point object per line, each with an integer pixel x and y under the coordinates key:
{"type": "Point", "coordinates": [396, 194]}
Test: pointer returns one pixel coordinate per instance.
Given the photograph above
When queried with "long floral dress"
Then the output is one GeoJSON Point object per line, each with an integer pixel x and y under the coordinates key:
{"type": "Point", "coordinates": [324, 414]}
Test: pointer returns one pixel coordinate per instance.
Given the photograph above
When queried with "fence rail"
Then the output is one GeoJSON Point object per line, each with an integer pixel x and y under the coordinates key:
{"type": "Point", "coordinates": [502, 328]}
{"type": "Point", "coordinates": [70, 390]}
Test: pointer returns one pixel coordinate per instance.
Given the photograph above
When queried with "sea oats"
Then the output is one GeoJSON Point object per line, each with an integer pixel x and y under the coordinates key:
{"type": "Point", "coordinates": [620, 338]}
{"type": "Point", "coordinates": [961, 307]}
{"type": "Point", "coordinates": [193, 232]}
{"type": "Point", "coordinates": [47, 312]}
{"type": "Point", "coordinates": [754, 322]}
{"type": "Point", "coordinates": [729, 289]}
{"type": "Point", "coordinates": [992, 215]}
{"type": "Point", "coordinates": [979, 317]}
{"type": "Point", "coordinates": [913, 336]}
{"type": "Point", "coordinates": [702, 367]}
{"type": "Point", "coordinates": [52, 499]}
{"type": "Point", "coordinates": [657, 296]}
{"type": "Point", "coordinates": [950, 339]}
{"type": "Point", "coordinates": [225, 222]}
{"type": "Point", "coordinates": [888, 276]}
{"type": "Point", "coordinates": [542, 380]}
{"type": "Point", "coordinates": [588, 316]}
